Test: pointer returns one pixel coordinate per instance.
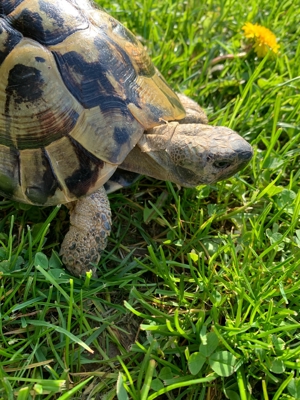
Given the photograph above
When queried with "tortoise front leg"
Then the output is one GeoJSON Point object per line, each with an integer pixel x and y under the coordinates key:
{"type": "Point", "coordinates": [90, 225]}
{"type": "Point", "coordinates": [194, 113]}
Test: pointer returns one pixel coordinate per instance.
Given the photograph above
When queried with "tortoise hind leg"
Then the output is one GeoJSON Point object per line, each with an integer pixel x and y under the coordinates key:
{"type": "Point", "coordinates": [90, 225]}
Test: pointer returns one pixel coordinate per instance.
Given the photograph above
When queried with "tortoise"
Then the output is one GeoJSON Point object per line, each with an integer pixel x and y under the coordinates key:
{"type": "Point", "coordinates": [83, 110]}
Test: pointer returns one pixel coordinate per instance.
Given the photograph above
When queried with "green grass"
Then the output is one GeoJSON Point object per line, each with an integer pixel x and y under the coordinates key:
{"type": "Point", "coordinates": [211, 274]}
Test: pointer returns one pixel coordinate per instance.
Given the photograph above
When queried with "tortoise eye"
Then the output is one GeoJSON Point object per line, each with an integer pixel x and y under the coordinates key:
{"type": "Point", "coordinates": [221, 164]}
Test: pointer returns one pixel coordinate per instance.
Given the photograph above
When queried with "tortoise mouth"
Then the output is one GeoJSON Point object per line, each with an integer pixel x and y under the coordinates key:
{"type": "Point", "coordinates": [240, 160]}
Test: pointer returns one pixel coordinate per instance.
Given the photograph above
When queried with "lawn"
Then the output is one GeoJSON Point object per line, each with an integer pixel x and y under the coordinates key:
{"type": "Point", "coordinates": [198, 293]}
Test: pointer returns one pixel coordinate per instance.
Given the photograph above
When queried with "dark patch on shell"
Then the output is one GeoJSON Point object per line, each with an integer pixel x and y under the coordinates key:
{"type": "Point", "coordinates": [121, 135]}
{"type": "Point", "coordinates": [7, 6]}
{"type": "Point", "coordinates": [24, 85]}
{"type": "Point", "coordinates": [46, 187]}
{"type": "Point", "coordinates": [88, 81]}
{"type": "Point", "coordinates": [30, 24]}
{"type": "Point", "coordinates": [53, 13]}
{"type": "Point", "coordinates": [111, 103]}
{"type": "Point", "coordinates": [64, 18]}
{"type": "Point", "coordinates": [13, 37]}
{"type": "Point", "coordinates": [86, 175]}
{"type": "Point", "coordinates": [155, 111]}
{"type": "Point", "coordinates": [40, 59]}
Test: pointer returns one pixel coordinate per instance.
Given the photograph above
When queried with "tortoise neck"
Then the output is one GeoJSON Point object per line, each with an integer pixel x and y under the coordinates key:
{"type": "Point", "coordinates": [141, 163]}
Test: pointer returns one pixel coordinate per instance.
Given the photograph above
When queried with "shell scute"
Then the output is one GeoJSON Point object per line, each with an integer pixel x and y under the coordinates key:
{"type": "Point", "coordinates": [77, 170]}
{"type": "Point", "coordinates": [95, 132]}
{"type": "Point", "coordinates": [9, 38]}
{"type": "Point", "coordinates": [86, 72]}
{"type": "Point", "coordinates": [48, 22]}
{"type": "Point", "coordinates": [35, 106]}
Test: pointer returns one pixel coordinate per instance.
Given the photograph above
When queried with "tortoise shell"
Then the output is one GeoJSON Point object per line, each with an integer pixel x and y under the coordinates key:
{"type": "Point", "coordinates": [77, 91]}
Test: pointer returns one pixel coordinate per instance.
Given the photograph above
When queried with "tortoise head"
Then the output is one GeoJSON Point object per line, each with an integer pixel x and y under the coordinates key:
{"type": "Point", "coordinates": [189, 154]}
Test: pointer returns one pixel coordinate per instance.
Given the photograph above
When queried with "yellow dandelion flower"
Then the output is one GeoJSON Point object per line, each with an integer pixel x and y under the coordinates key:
{"type": "Point", "coordinates": [264, 40]}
